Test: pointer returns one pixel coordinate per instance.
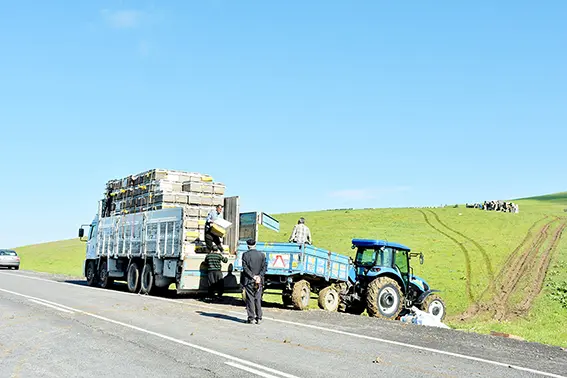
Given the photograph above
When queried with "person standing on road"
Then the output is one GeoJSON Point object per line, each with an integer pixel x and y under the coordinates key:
{"type": "Point", "coordinates": [211, 238]}
{"type": "Point", "coordinates": [214, 262]}
{"type": "Point", "coordinates": [301, 233]}
{"type": "Point", "coordinates": [254, 267]}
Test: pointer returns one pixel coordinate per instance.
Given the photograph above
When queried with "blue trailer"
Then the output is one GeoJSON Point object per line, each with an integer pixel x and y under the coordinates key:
{"type": "Point", "coordinates": [299, 269]}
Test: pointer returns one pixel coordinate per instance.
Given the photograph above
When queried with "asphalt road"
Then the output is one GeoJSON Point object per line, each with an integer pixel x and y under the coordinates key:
{"type": "Point", "coordinates": [50, 328]}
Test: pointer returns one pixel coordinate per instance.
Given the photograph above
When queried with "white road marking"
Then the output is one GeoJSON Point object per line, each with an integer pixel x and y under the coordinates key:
{"type": "Point", "coordinates": [344, 333]}
{"type": "Point", "coordinates": [51, 306]}
{"type": "Point", "coordinates": [250, 370]}
{"type": "Point", "coordinates": [160, 335]}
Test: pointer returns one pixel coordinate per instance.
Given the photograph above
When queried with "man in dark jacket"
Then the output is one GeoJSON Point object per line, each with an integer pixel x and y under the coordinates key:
{"type": "Point", "coordinates": [254, 266]}
{"type": "Point", "coordinates": [214, 262]}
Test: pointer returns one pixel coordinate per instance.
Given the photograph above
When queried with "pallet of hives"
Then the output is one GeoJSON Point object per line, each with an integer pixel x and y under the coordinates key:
{"type": "Point", "coordinates": [204, 188]}
{"type": "Point", "coordinates": [156, 175]}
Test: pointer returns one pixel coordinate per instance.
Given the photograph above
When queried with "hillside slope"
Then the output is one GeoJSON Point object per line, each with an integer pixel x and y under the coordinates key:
{"type": "Point", "coordinates": [490, 266]}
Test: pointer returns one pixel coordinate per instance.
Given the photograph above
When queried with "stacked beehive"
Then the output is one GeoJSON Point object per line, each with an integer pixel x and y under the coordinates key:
{"type": "Point", "coordinates": [159, 189]}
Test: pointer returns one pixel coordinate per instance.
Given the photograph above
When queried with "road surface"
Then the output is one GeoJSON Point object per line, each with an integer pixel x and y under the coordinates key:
{"type": "Point", "coordinates": [55, 328]}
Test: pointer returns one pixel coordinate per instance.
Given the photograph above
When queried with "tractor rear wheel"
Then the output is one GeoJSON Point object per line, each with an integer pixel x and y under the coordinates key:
{"type": "Point", "coordinates": [435, 306]}
{"type": "Point", "coordinates": [384, 298]}
{"type": "Point", "coordinates": [329, 299]}
{"type": "Point", "coordinates": [300, 295]}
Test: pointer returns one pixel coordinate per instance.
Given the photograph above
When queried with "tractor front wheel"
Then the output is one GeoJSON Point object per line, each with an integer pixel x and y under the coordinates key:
{"type": "Point", "coordinates": [384, 298]}
{"type": "Point", "coordinates": [435, 306]}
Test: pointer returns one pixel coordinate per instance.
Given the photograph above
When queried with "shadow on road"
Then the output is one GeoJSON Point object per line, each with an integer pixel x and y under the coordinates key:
{"type": "Point", "coordinates": [221, 316]}
{"type": "Point", "coordinates": [201, 297]}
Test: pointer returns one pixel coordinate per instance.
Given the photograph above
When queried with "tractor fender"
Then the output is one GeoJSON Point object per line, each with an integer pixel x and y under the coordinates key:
{"type": "Point", "coordinates": [425, 294]}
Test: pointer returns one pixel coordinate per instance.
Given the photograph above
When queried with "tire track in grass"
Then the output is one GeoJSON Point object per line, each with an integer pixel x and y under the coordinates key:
{"type": "Point", "coordinates": [485, 257]}
{"type": "Point", "coordinates": [542, 268]}
{"type": "Point", "coordinates": [500, 307]}
{"type": "Point", "coordinates": [465, 253]}
{"type": "Point", "coordinates": [513, 255]}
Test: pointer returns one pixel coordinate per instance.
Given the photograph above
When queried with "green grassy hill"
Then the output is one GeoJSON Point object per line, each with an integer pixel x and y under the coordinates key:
{"type": "Point", "coordinates": [498, 271]}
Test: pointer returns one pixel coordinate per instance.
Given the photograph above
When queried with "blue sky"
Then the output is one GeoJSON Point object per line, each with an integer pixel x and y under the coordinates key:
{"type": "Point", "coordinates": [294, 105]}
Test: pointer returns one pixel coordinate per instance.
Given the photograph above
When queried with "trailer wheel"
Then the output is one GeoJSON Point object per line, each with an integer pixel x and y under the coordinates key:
{"type": "Point", "coordinates": [133, 278]}
{"type": "Point", "coordinates": [148, 286]}
{"type": "Point", "coordinates": [104, 279]}
{"type": "Point", "coordinates": [329, 299]}
{"type": "Point", "coordinates": [90, 273]}
{"type": "Point", "coordinates": [384, 298]}
{"type": "Point", "coordinates": [434, 305]}
{"type": "Point", "coordinates": [301, 294]}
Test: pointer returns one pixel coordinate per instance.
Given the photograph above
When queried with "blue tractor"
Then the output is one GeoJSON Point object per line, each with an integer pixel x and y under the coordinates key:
{"type": "Point", "coordinates": [381, 281]}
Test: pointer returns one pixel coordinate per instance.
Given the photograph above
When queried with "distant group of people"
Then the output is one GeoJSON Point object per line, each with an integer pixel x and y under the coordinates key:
{"type": "Point", "coordinates": [506, 207]}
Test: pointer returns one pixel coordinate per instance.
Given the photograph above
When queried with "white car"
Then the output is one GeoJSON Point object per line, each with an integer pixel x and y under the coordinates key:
{"type": "Point", "coordinates": [9, 259]}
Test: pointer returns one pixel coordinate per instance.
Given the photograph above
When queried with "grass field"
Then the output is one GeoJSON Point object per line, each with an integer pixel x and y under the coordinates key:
{"type": "Point", "coordinates": [490, 266]}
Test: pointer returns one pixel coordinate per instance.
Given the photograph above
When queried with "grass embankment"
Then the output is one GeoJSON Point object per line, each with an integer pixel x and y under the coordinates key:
{"type": "Point", "coordinates": [473, 256]}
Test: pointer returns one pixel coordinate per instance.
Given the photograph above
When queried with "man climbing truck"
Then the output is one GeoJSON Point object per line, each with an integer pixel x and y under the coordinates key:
{"type": "Point", "coordinates": [381, 280]}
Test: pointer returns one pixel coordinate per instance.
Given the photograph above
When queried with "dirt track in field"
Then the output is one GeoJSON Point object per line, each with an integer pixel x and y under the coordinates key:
{"type": "Point", "coordinates": [527, 264]}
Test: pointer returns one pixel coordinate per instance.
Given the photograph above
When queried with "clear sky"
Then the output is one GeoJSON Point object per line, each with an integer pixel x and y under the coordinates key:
{"type": "Point", "coordinates": [294, 105]}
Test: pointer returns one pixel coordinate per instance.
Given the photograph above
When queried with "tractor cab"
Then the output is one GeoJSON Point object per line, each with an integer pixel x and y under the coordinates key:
{"type": "Point", "coordinates": [378, 257]}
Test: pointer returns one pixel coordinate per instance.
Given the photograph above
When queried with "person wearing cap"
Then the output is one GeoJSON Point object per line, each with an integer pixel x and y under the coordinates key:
{"type": "Point", "coordinates": [214, 262]}
{"type": "Point", "coordinates": [301, 233]}
{"type": "Point", "coordinates": [254, 269]}
{"type": "Point", "coordinates": [211, 238]}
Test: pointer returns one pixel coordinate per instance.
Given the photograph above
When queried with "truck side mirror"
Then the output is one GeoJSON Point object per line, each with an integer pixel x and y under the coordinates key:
{"type": "Point", "coordinates": [81, 232]}
{"type": "Point", "coordinates": [421, 258]}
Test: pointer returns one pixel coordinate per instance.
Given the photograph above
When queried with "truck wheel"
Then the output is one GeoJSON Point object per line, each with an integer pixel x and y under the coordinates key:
{"type": "Point", "coordinates": [104, 279]}
{"type": "Point", "coordinates": [133, 278]}
{"type": "Point", "coordinates": [384, 298]}
{"type": "Point", "coordinates": [435, 306]}
{"type": "Point", "coordinates": [90, 273]}
{"type": "Point", "coordinates": [147, 280]}
{"type": "Point", "coordinates": [329, 299]}
{"type": "Point", "coordinates": [300, 295]}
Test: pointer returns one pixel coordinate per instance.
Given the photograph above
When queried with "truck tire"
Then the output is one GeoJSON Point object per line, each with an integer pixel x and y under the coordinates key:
{"type": "Point", "coordinates": [147, 284]}
{"type": "Point", "coordinates": [300, 295]}
{"type": "Point", "coordinates": [384, 298]}
{"type": "Point", "coordinates": [133, 278]}
{"type": "Point", "coordinates": [435, 306]}
{"type": "Point", "coordinates": [103, 278]}
{"type": "Point", "coordinates": [329, 299]}
{"type": "Point", "coordinates": [90, 273]}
